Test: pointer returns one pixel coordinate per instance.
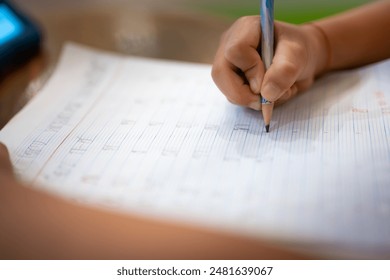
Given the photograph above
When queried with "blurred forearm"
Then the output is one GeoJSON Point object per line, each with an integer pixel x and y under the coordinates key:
{"type": "Point", "coordinates": [359, 36]}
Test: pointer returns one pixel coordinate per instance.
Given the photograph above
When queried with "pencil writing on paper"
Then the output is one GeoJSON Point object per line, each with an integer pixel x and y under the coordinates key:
{"type": "Point", "coordinates": [267, 50]}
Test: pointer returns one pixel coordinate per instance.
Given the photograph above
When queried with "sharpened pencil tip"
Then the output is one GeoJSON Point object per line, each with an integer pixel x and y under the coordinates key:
{"type": "Point", "coordinates": [267, 128]}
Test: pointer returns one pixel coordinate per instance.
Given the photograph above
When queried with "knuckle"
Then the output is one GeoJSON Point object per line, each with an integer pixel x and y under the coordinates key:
{"type": "Point", "coordinates": [305, 84]}
{"type": "Point", "coordinates": [288, 70]}
{"type": "Point", "coordinates": [233, 51]}
{"type": "Point", "coordinates": [217, 73]}
{"type": "Point", "coordinates": [244, 20]}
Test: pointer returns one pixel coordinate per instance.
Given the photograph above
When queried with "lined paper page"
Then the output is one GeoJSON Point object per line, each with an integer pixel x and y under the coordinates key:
{"type": "Point", "coordinates": [157, 138]}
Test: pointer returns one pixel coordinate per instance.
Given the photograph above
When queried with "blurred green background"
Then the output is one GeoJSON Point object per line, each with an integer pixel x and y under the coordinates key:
{"type": "Point", "coordinates": [293, 11]}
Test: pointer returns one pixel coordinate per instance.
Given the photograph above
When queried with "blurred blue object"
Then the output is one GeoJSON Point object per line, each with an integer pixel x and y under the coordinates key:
{"type": "Point", "coordinates": [19, 38]}
{"type": "Point", "coordinates": [10, 25]}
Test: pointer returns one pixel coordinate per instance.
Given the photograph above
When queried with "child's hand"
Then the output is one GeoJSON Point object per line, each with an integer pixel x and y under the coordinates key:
{"type": "Point", "coordinates": [300, 55]}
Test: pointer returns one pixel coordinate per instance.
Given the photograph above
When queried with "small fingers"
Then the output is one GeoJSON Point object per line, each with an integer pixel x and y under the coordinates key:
{"type": "Point", "coordinates": [233, 86]}
{"type": "Point", "coordinates": [293, 91]}
{"type": "Point", "coordinates": [241, 50]}
{"type": "Point", "coordinates": [237, 69]}
{"type": "Point", "coordinates": [287, 95]}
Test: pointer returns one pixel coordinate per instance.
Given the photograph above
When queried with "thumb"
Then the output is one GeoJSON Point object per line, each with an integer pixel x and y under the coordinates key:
{"type": "Point", "coordinates": [278, 79]}
{"type": "Point", "coordinates": [283, 72]}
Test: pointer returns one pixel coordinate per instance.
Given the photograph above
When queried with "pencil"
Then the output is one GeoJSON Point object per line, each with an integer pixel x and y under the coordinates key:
{"type": "Point", "coordinates": [267, 52]}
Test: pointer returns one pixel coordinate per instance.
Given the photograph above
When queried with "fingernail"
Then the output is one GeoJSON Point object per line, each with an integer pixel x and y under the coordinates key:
{"type": "Point", "coordinates": [256, 105]}
{"type": "Point", "coordinates": [271, 92]}
{"type": "Point", "coordinates": [255, 86]}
